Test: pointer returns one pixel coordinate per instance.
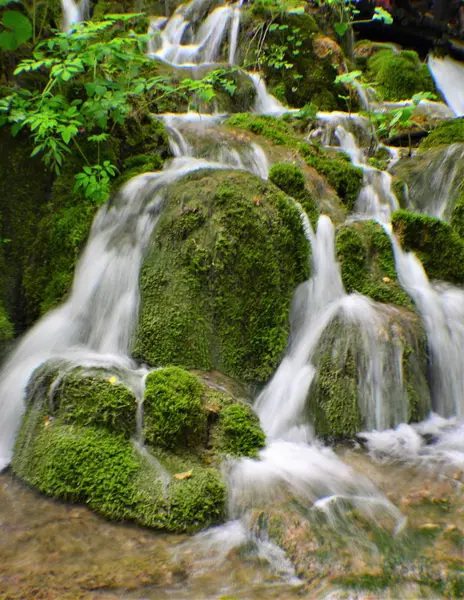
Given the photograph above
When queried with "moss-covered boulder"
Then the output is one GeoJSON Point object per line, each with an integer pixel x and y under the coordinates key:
{"type": "Point", "coordinates": [437, 244]}
{"type": "Point", "coordinates": [445, 134]}
{"type": "Point", "coordinates": [74, 442]}
{"type": "Point", "coordinates": [367, 264]}
{"type": "Point", "coordinates": [217, 283]}
{"type": "Point", "coordinates": [371, 372]}
{"type": "Point", "coordinates": [398, 75]}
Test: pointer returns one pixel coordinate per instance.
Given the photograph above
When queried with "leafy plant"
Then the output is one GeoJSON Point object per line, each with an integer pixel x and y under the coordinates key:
{"type": "Point", "coordinates": [345, 12]}
{"type": "Point", "coordinates": [17, 29]}
{"type": "Point", "coordinates": [90, 81]}
{"type": "Point", "coordinates": [400, 119]}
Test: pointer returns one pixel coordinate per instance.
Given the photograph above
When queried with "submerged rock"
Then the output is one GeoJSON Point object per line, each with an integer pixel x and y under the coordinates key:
{"type": "Point", "coordinates": [371, 365]}
{"type": "Point", "coordinates": [74, 443]}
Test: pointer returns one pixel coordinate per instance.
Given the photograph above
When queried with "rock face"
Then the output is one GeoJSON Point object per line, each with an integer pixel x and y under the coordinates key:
{"type": "Point", "coordinates": [75, 443]}
{"type": "Point", "coordinates": [217, 283]}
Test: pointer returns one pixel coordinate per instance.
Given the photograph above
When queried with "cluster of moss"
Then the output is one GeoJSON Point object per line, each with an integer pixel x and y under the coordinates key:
{"type": "Point", "coordinates": [446, 133]}
{"type": "Point", "coordinates": [399, 75]}
{"type": "Point", "coordinates": [290, 179]}
{"type": "Point", "coordinates": [333, 408]}
{"type": "Point", "coordinates": [74, 444]}
{"type": "Point", "coordinates": [437, 244]}
{"type": "Point", "coordinates": [174, 414]}
{"type": "Point", "coordinates": [340, 174]}
{"type": "Point", "coordinates": [457, 216]}
{"type": "Point", "coordinates": [367, 263]}
{"type": "Point", "coordinates": [216, 286]}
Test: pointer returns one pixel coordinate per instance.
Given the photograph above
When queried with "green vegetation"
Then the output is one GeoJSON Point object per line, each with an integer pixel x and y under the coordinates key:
{"type": "Point", "coordinates": [216, 286]}
{"type": "Point", "coordinates": [446, 133]}
{"type": "Point", "coordinates": [367, 263]}
{"type": "Point", "coordinates": [457, 216]}
{"type": "Point", "coordinates": [95, 398]}
{"type": "Point", "coordinates": [6, 330]}
{"type": "Point", "coordinates": [73, 444]}
{"type": "Point", "coordinates": [340, 174]}
{"type": "Point", "coordinates": [290, 179]}
{"type": "Point", "coordinates": [174, 415]}
{"type": "Point", "coordinates": [238, 432]}
{"type": "Point", "coordinates": [333, 409]}
{"type": "Point", "coordinates": [438, 246]}
{"type": "Point", "coordinates": [398, 75]}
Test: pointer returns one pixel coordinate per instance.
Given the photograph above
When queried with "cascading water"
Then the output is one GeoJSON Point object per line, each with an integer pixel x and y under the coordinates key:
{"type": "Point", "coordinates": [449, 78]}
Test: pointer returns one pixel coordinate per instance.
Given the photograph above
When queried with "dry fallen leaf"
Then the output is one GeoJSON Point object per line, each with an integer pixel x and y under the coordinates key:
{"type": "Point", "coordinates": [185, 475]}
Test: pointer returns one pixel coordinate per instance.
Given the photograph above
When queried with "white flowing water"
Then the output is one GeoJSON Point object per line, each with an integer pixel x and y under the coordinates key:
{"type": "Point", "coordinates": [442, 309]}
{"type": "Point", "coordinates": [449, 79]}
{"type": "Point", "coordinates": [74, 12]}
{"type": "Point", "coordinates": [433, 179]}
{"type": "Point", "coordinates": [194, 135]}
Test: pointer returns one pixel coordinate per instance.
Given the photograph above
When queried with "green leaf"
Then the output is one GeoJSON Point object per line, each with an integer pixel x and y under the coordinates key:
{"type": "Point", "coordinates": [19, 30]}
{"type": "Point", "coordinates": [341, 28]}
{"type": "Point", "coordinates": [380, 14]}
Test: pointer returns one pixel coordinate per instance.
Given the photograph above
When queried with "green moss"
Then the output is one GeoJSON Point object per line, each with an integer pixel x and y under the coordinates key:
{"type": "Point", "coordinates": [290, 179]}
{"type": "Point", "coordinates": [446, 133]}
{"type": "Point", "coordinates": [286, 57]}
{"type": "Point", "coordinates": [217, 283]}
{"type": "Point", "coordinates": [334, 407]}
{"type": "Point", "coordinates": [276, 130]}
{"type": "Point", "coordinates": [102, 470]}
{"type": "Point", "coordinates": [6, 330]}
{"type": "Point", "coordinates": [194, 501]}
{"type": "Point", "coordinates": [341, 175]}
{"type": "Point", "coordinates": [338, 406]}
{"type": "Point", "coordinates": [439, 247]}
{"type": "Point", "coordinates": [457, 216]}
{"type": "Point", "coordinates": [399, 75]}
{"type": "Point", "coordinates": [95, 398]}
{"type": "Point", "coordinates": [174, 415]}
{"type": "Point", "coordinates": [239, 432]}
{"type": "Point", "coordinates": [367, 263]}
{"type": "Point", "coordinates": [77, 464]}
{"type": "Point", "coordinates": [25, 191]}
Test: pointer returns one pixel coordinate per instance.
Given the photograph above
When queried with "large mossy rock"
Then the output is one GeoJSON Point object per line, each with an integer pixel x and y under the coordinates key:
{"type": "Point", "coordinates": [398, 75]}
{"type": "Point", "coordinates": [438, 246]}
{"type": "Point", "coordinates": [217, 283]}
{"type": "Point", "coordinates": [371, 373]}
{"type": "Point", "coordinates": [367, 263]}
{"type": "Point", "coordinates": [75, 442]}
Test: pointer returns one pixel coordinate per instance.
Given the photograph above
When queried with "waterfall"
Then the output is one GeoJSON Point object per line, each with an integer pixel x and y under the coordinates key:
{"type": "Point", "coordinates": [74, 12]}
{"type": "Point", "coordinates": [442, 309]}
{"type": "Point", "coordinates": [449, 79]}
{"type": "Point", "coordinates": [265, 104]}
